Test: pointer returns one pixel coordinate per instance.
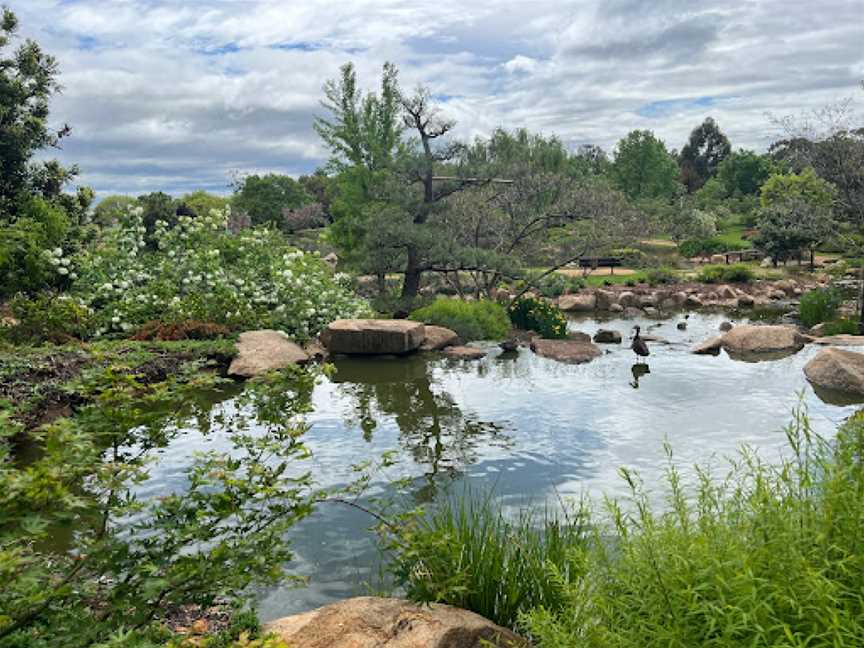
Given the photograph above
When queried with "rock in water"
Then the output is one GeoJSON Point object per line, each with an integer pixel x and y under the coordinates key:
{"type": "Point", "coordinates": [606, 336]}
{"type": "Point", "coordinates": [261, 351]}
{"type": "Point", "coordinates": [749, 338]}
{"type": "Point", "coordinates": [711, 346]}
{"type": "Point", "coordinates": [726, 326]}
{"type": "Point", "coordinates": [373, 622]}
{"type": "Point", "coordinates": [569, 351]}
{"type": "Point", "coordinates": [581, 302]}
{"type": "Point", "coordinates": [837, 369]}
{"type": "Point", "coordinates": [464, 352]}
{"type": "Point", "coordinates": [373, 337]}
{"type": "Point", "coordinates": [438, 337]}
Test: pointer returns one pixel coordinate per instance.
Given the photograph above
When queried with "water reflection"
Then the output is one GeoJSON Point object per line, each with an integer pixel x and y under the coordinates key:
{"type": "Point", "coordinates": [638, 370]}
{"type": "Point", "coordinates": [432, 428]}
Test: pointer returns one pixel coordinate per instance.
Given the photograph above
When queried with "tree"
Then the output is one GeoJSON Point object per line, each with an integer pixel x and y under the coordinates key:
{"type": "Point", "coordinates": [744, 172]}
{"type": "Point", "coordinates": [686, 222]}
{"type": "Point", "coordinates": [702, 155]}
{"type": "Point", "coordinates": [265, 198]}
{"type": "Point", "coordinates": [793, 224]}
{"type": "Point", "coordinates": [202, 202]}
{"type": "Point", "coordinates": [111, 208]}
{"type": "Point", "coordinates": [28, 80]}
{"type": "Point", "coordinates": [805, 186]}
{"type": "Point", "coordinates": [643, 168]}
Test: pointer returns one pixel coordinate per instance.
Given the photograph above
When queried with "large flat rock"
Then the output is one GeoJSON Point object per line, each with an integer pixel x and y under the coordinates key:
{"type": "Point", "coordinates": [261, 351]}
{"type": "Point", "coordinates": [838, 370]}
{"type": "Point", "coordinates": [752, 339]}
{"type": "Point", "coordinates": [372, 622]}
{"type": "Point", "coordinates": [569, 351]}
{"type": "Point", "coordinates": [840, 340]}
{"type": "Point", "coordinates": [373, 336]}
{"type": "Point", "coordinates": [438, 337]}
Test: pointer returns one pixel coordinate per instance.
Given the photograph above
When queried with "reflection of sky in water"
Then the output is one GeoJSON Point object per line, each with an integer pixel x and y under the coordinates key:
{"type": "Point", "coordinates": [526, 426]}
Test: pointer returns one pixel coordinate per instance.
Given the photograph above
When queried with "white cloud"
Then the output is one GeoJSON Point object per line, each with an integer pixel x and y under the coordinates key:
{"type": "Point", "coordinates": [173, 95]}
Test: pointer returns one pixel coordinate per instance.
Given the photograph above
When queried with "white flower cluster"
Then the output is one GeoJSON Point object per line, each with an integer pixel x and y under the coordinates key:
{"type": "Point", "coordinates": [62, 264]}
{"type": "Point", "coordinates": [201, 271]}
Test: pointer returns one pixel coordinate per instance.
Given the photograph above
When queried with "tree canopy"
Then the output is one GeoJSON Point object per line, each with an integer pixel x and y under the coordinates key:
{"type": "Point", "coordinates": [643, 168]}
{"type": "Point", "coordinates": [702, 154]}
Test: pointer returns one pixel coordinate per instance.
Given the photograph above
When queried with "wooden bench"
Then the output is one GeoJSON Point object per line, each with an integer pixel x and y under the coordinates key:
{"type": "Point", "coordinates": [743, 255]}
{"type": "Point", "coordinates": [601, 262]}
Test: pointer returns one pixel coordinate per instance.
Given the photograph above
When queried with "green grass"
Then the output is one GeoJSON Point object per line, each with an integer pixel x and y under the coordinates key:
{"type": "Point", "coordinates": [605, 279]}
{"type": "Point", "coordinates": [756, 554]}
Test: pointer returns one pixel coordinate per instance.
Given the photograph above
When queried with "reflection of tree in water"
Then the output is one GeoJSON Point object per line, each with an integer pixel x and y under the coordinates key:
{"type": "Point", "coordinates": [432, 428]}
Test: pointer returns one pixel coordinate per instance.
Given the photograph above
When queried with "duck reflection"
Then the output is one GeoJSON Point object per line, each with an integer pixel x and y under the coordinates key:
{"type": "Point", "coordinates": [638, 370]}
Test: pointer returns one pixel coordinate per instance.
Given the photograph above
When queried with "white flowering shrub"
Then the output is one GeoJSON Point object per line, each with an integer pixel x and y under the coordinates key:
{"type": "Point", "coordinates": [200, 271]}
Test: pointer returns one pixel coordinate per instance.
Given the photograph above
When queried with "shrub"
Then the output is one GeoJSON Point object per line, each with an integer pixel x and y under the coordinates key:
{"type": "Point", "coordinates": [631, 257]}
{"type": "Point", "coordinates": [534, 314]}
{"type": "Point", "coordinates": [692, 248]}
{"type": "Point", "coordinates": [841, 327]}
{"type": "Point", "coordinates": [819, 305]}
{"type": "Point", "coordinates": [556, 284]}
{"type": "Point", "coordinates": [48, 317]}
{"type": "Point", "coordinates": [735, 273]}
{"type": "Point", "coordinates": [200, 271]}
{"type": "Point", "coordinates": [664, 275]}
{"type": "Point", "coordinates": [472, 320]}
{"type": "Point", "coordinates": [188, 330]}
{"type": "Point", "coordinates": [467, 554]}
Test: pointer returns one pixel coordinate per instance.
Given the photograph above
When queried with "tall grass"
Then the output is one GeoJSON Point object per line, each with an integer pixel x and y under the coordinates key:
{"type": "Point", "coordinates": [819, 305]}
{"type": "Point", "coordinates": [764, 555]}
{"type": "Point", "coordinates": [468, 554]}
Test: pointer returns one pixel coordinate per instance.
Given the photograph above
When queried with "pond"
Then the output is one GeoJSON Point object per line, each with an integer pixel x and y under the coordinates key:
{"type": "Point", "coordinates": [530, 429]}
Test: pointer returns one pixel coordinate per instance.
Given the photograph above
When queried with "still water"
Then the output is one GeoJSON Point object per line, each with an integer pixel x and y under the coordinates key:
{"type": "Point", "coordinates": [528, 428]}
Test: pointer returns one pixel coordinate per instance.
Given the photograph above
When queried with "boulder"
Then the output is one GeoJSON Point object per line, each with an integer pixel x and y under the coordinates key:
{"type": "Point", "coordinates": [607, 336]}
{"type": "Point", "coordinates": [604, 299]}
{"type": "Point", "coordinates": [776, 295]}
{"type": "Point", "coordinates": [818, 330]}
{"type": "Point", "coordinates": [680, 298]}
{"type": "Point", "coordinates": [838, 370]}
{"type": "Point", "coordinates": [261, 351]}
{"type": "Point", "coordinates": [786, 285]}
{"type": "Point", "coordinates": [711, 346]}
{"type": "Point", "coordinates": [668, 304]}
{"type": "Point", "coordinates": [438, 337]}
{"type": "Point", "coordinates": [647, 300]}
{"type": "Point", "coordinates": [578, 336]}
{"type": "Point", "coordinates": [718, 258]}
{"type": "Point", "coordinates": [650, 311]}
{"type": "Point", "coordinates": [580, 302]}
{"type": "Point", "coordinates": [841, 340]}
{"type": "Point", "coordinates": [726, 326]}
{"type": "Point", "coordinates": [316, 351]}
{"type": "Point", "coordinates": [766, 263]}
{"type": "Point", "coordinates": [374, 622]}
{"type": "Point", "coordinates": [692, 301]}
{"type": "Point", "coordinates": [631, 312]}
{"type": "Point", "coordinates": [749, 338]}
{"type": "Point", "coordinates": [616, 308]}
{"type": "Point", "coordinates": [373, 337]}
{"type": "Point", "coordinates": [746, 301]}
{"type": "Point", "coordinates": [464, 353]}
{"type": "Point", "coordinates": [727, 292]}
{"type": "Point", "coordinates": [331, 260]}
{"type": "Point", "coordinates": [628, 298]}
{"type": "Point", "coordinates": [569, 351]}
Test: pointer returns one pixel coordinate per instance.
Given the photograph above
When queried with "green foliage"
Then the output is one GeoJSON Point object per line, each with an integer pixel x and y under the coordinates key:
{"type": "Point", "coordinates": [744, 173]}
{"type": "Point", "coordinates": [661, 275]}
{"type": "Point", "coordinates": [264, 198]}
{"type": "Point", "coordinates": [111, 209]}
{"type": "Point", "coordinates": [48, 317]}
{"type": "Point", "coordinates": [735, 273]}
{"type": "Point", "coordinates": [632, 257]}
{"type": "Point", "coordinates": [216, 533]}
{"type": "Point", "coordinates": [32, 255]}
{"type": "Point", "coordinates": [765, 556]}
{"type": "Point", "coordinates": [557, 284]}
{"type": "Point", "coordinates": [643, 168]}
{"type": "Point", "coordinates": [702, 154]}
{"type": "Point", "coordinates": [532, 314]}
{"type": "Point", "coordinates": [844, 326]}
{"type": "Point", "coordinates": [202, 202]}
{"type": "Point", "coordinates": [472, 320]}
{"type": "Point", "coordinates": [819, 305]}
{"type": "Point", "coordinates": [466, 553]}
{"type": "Point", "coordinates": [199, 271]}
{"type": "Point", "coordinates": [805, 186]}
{"type": "Point", "coordinates": [692, 248]}
{"type": "Point", "coordinates": [789, 226]}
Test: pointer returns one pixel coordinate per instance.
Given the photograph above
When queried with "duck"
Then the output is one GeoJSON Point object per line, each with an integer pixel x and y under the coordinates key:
{"type": "Point", "coordinates": [640, 348]}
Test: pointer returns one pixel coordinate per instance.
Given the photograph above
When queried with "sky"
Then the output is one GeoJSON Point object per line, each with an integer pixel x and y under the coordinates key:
{"type": "Point", "coordinates": [178, 95]}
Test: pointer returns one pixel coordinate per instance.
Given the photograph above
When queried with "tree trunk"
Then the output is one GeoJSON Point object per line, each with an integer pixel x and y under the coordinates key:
{"type": "Point", "coordinates": [411, 283]}
{"type": "Point", "coordinates": [861, 304]}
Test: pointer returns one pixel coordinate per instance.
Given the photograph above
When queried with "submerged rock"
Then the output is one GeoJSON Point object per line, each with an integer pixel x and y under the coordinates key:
{"type": "Point", "coordinates": [838, 370]}
{"type": "Point", "coordinates": [711, 346]}
{"type": "Point", "coordinates": [374, 622]}
{"type": "Point", "coordinates": [749, 338]}
{"type": "Point", "coordinates": [569, 351]}
{"type": "Point", "coordinates": [726, 326]}
{"type": "Point", "coordinates": [607, 336]}
{"type": "Point", "coordinates": [464, 352]}
{"type": "Point", "coordinates": [261, 351]}
{"type": "Point", "coordinates": [373, 336]}
{"type": "Point", "coordinates": [438, 337]}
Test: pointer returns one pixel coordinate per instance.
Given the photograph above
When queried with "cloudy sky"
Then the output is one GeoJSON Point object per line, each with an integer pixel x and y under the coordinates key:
{"type": "Point", "coordinates": [176, 95]}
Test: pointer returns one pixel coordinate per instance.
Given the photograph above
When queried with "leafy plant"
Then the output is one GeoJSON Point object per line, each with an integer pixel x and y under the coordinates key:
{"type": "Point", "coordinates": [843, 326]}
{"type": "Point", "coordinates": [472, 320]}
{"type": "Point", "coordinates": [48, 317]}
{"type": "Point", "coordinates": [819, 305]}
{"type": "Point", "coordinates": [664, 275]}
{"type": "Point", "coordinates": [735, 273]}
{"type": "Point", "coordinates": [557, 284]}
{"type": "Point", "coordinates": [533, 314]}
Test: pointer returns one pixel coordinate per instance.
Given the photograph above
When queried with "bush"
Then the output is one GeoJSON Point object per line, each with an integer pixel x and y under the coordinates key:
{"type": "Point", "coordinates": [200, 271]}
{"type": "Point", "coordinates": [533, 314]}
{"type": "Point", "coordinates": [48, 318]}
{"type": "Point", "coordinates": [692, 248]}
{"type": "Point", "coordinates": [819, 305]}
{"type": "Point", "coordinates": [188, 330]}
{"type": "Point", "coordinates": [472, 320]}
{"type": "Point", "coordinates": [656, 276]}
{"type": "Point", "coordinates": [557, 284]}
{"type": "Point", "coordinates": [631, 257]}
{"type": "Point", "coordinates": [841, 327]}
{"type": "Point", "coordinates": [467, 554]}
{"type": "Point", "coordinates": [735, 273]}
